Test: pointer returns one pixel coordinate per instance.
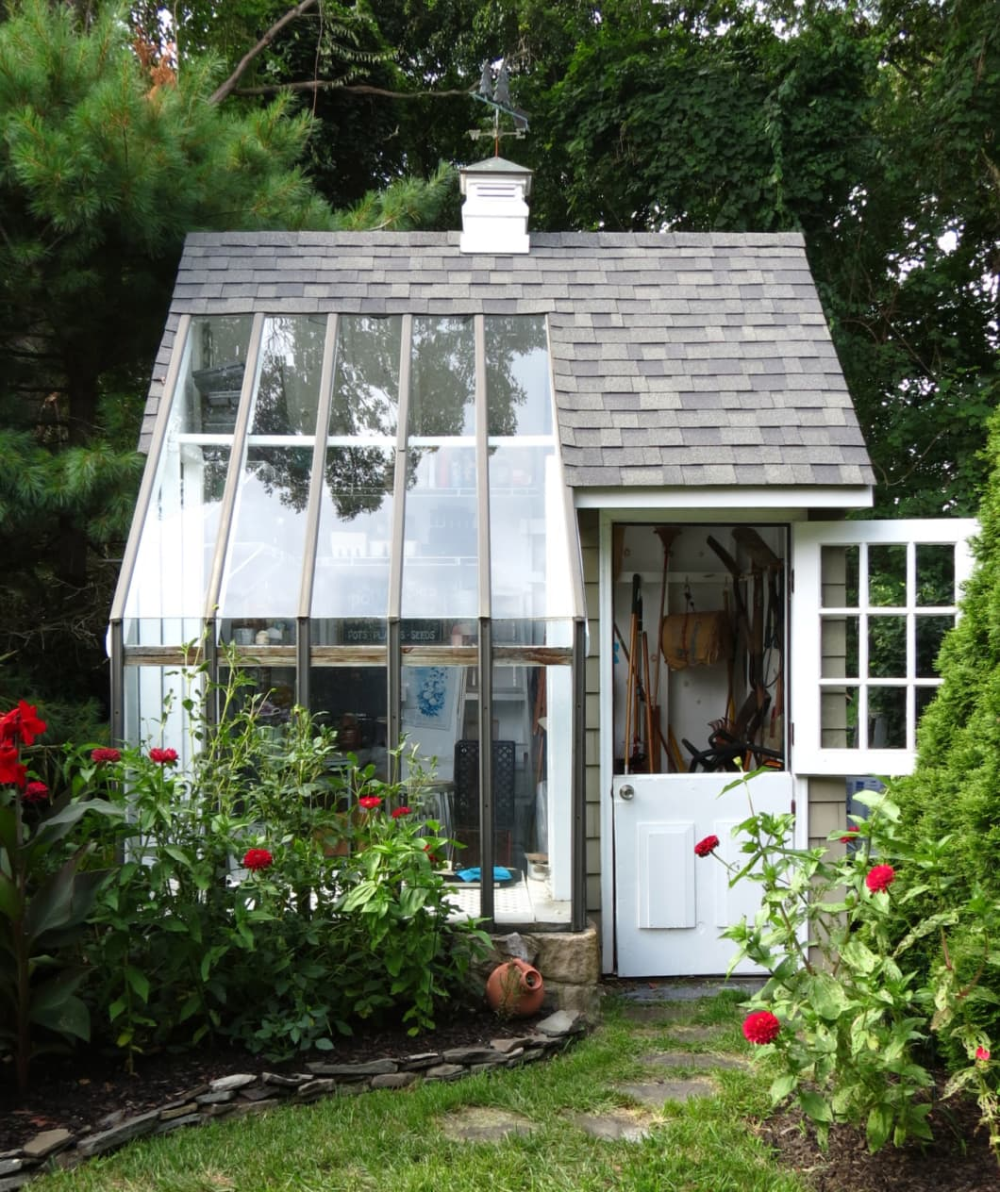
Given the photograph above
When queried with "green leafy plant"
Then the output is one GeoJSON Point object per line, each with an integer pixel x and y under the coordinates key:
{"type": "Point", "coordinates": [47, 892]}
{"type": "Point", "coordinates": [850, 1011]}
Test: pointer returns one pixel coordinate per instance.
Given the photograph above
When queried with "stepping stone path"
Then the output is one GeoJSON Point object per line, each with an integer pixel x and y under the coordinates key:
{"type": "Point", "coordinates": [657, 1093]}
{"type": "Point", "coordinates": [481, 1124]}
{"type": "Point", "coordinates": [616, 1125]}
{"type": "Point", "coordinates": [692, 1059]}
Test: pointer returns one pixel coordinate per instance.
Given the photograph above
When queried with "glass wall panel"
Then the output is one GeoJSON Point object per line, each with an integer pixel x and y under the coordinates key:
{"type": "Point", "coordinates": [518, 388]}
{"type": "Point", "coordinates": [155, 716]}
{"type": "Point", "coordinates": [351, 578]}
{"type": "Point", "coordinates": [263, 570]}
{"type": "Point", "coordinates": [443, 378]}
{"type": "Point", "coordinates": [166, 599]}
{"type": "Point", "coordinates": [354, 701]}
{"type": "Point", "coordinates": [366, 381]}
{"type": "Point", "coordinates": [529, 554]}
{"type": "Point", "coordinates": [271, 690]}
{"type": "Point", "coordinates": [440, 547]}
{"type": "Point", "coordinates": [288, 382]}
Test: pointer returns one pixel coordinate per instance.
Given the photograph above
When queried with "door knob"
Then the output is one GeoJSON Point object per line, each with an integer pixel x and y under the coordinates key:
{"type": "Point", "coordinates": [626, 792]}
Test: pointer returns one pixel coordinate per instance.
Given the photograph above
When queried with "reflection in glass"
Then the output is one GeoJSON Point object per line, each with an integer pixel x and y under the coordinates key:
{"type": "Point", "coordinates": [212, 375]}
{"type": "Point", "coordinates": [839, 647]}
{"type": "Point", "coordinates": [935, 574]}
{"type": "Point", "coordinates": [270, 690]}
{"type": "Point", "coordinates": [517, 376]}
{"type": "Point", "coordinates": [839, 576]}
{"type": "Point", "coordinates": [886, 717]}
{"type": "Point", "coordinates": [887, 647]}
{"type": "Point", "coordinates": [177, 543]}
{"type": "Point", "coordinates": [839, 718]}
{"type": "Point", "coordinates": [887, 574]}
{"type": "Point", "coordinates": [930, 635]}
{"type": "Point", "coordinates": [287, 391]}
{"type": "Point", "coordinates": [924, 697]}
{"type": "Point", "coordinates": [351, 578]}
{"type": "Point", "coordinates": [366, 380]}
{"type": "Point", "coordinates": [440, 535]}
{"type": "Point", "coordinates": [443, 377]}
{"type": "Point", "coordinates": [263, 568]}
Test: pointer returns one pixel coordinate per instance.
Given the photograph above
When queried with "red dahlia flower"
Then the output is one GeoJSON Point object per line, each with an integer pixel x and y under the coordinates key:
{"type": "Point", "coordinates": [21, 724]}
{"type": "Point", "coordinates": [704, 847]}
{"type": "Point", "coordinates": [257, 859]}
{"type": "Point", "coordinates": [35, 792]}
{"type": "Point", "coordinates": [11, 769]}
{"type": "Point", "coordinates": [400, 811]}
{"type": "Point", "coordinates": [163, 757]}
{"type": "Point", "coordinates": [761, 1027]}
{"type": "Point", "coordinates": [982, 1055]}
{"type": "Point", "coordinates": [880, 878]}
{"type": "Point", "coordinates": [370, 802]}
{"type": "Point", "coordinates": [105, 755]}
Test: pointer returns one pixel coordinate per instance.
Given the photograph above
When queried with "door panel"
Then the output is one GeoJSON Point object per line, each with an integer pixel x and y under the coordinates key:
{"type": "Point", "coordinates": [670, 904]}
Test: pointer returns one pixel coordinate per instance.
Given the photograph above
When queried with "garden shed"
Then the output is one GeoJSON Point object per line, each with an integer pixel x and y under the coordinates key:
{"type": "Point", "coordinates": [580, 496]}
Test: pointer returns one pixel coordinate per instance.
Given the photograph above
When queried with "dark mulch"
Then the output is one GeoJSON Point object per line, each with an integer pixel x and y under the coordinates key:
{"type": "Point", "coordinates": [77, 1093]}
{"type": "Point", "coordinates": [959, 1159]}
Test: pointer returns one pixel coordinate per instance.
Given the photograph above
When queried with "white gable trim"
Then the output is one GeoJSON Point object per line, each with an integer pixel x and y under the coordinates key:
{"type": "Point", "coordinates": [726, 497]}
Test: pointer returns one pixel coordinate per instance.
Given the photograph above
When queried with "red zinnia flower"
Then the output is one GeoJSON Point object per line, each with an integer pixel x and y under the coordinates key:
{"type": "Point", "coordinates": [35, 792]}
{"type": "Point", "coordinates": [163, 757]}
{"type": "Point", "coordinates": [849, 835]}
{"type": "Point", "coordinates": [761, 1027]}
{"type": "Point", "coordinates": [370, 802]}
{"type": "Point", "coordinates": [257, 859]}
{"type": "Point", "coordinates": [983, 1055]}
{"type": "Point", "coordinates": [397, 812]}
{"type": "Point", "coordinates": [432, 855]}
{"type": "Point", "coordinates": [11, 769]}
{"type": "Point", "coordinates": [880, 878]}
{"type": "Point", "coordinates": [704, 847]}
{"type": "Point", "coordinates": [105, 755]}
{"type": "Point", "coordinates": [21, 723]}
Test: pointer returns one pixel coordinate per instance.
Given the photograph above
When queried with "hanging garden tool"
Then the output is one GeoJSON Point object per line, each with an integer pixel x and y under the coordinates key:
{"type": "Point", "coordinates": [635, 754]}
{"type": "Point", "coordinates": [666, 535]}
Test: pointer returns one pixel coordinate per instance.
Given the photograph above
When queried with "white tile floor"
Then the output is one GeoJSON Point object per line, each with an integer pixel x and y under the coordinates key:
{"type": "Point", "coordinates": [525, 901]}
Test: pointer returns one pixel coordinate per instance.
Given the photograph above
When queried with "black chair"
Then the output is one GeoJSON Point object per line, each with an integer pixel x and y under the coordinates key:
{"type": "Point", "coordinates": [466, 810]}
{"type": "Point", "coordinates": [731, 744]}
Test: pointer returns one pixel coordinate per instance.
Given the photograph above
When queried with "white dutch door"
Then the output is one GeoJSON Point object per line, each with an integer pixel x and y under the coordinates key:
{"type": "Point", "coordinates": [706, 636]}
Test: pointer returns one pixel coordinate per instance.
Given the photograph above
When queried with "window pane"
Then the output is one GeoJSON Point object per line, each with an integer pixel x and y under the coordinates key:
{"type": "Point", "coordinates": [839, 647]}
{"type": "Point", "coordinates": [213, 376]}
{"type": "Point", "coordinates": [155, 716]}
{"type": "Point", "coordinates": [354, 701]}
{"type": "Point", "coordinates": [529, 563]}
{"type": "Point", "coordinates": [935, 574]}
{"type": "Point", "coordinates": [887, 574]}
{"type": "Point", "coordinates": [517, 376]}
{"type": "Point", "coordinates": [288, 378]}
{"type": "Point", "coordinates": [177, 541]}
{"type": "Point", "coordinates": [366, 380]}
{"type": "Point", "coordinates": [886, 717]}
{"type": "Point", "coordinates": [924, 697]}
{"type": "Point", "coordinates": [887, 647]}
{"type": "Point", "coordinates": [839, 718]}
{"type": "Point", "coordinates": [443, 378]}
{"type": "Point", "coordinates": [839, 576]}
{"type": "Point", "coordinates": [440, 548]}
{"type": "Point", "coordinates": [263, 570]}
{"type": "Point", "coordinates": [930, 635]}
{"type": "Point", "coordinates": [355, 533]}
{"type": "Point", "coordinates": [271, 690]}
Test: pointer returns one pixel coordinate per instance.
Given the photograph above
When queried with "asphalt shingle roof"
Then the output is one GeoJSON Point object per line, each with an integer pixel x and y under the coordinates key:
{"type": "Point", "coordinates": [679, 359]}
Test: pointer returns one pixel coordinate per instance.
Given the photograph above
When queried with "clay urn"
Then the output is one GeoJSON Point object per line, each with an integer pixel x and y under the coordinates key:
{"type": "Point", "coordinates": [515, 989]}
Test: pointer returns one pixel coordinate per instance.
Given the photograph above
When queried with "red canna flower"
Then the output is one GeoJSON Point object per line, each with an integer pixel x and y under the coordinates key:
{"type": "Point", "coordinates": [982, 1055]}
{"type": "Point", "coordinates": [163, 757]}
{"type": "Point", "coordinates": [707, 846]}
{"type": "Point", "coordinates": [257, 859]}
{"type": "Point", "coordinates": [21, 724]}
{"type": "Point", "coordinates": [11, 769]}
{"type": "Point", "coordinates": [400, 811]}
{"type": "Point", "coordinates": [880, 878]}
{"type": "Point", "coordinates": [369, 802]}
{"type": "Point", "coordinates": [35, 792]}
{"type": "Point", "coordinates": [105, 755]}
{"type": "Point", "coordinates": [761, 1027]}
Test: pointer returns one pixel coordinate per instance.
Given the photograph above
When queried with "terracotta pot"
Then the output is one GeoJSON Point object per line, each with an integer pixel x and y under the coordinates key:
{"type": "Point", "coordinates": [515, 989]}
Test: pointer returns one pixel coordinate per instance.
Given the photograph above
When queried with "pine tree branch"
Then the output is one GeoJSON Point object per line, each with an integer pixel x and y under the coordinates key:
{"type": "Point", "coordinates": [352, 88]}
{"type": "Point", "coordinates": [229, 86]}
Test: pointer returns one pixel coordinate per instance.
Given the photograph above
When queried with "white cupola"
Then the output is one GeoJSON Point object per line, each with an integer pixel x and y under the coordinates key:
{"type": "Point", "coordinates": [495, 214]}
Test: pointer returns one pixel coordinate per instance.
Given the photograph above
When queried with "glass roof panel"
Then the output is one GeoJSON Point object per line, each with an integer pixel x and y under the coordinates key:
{"type": "Point", "coordinates": [518, 389]}
{"type": "Point", "coordinates": [288, 386]}
{"type": "Point", "coordinates": [210, 385]}
{"type": "Point", "coordinates": [264, 558]}
{"type": "Point", "coordinates": [366, 385]}
{"type": "Point", "coordinates": [355, 533]}
{"type": "Point", "coordinates": [443, 379]}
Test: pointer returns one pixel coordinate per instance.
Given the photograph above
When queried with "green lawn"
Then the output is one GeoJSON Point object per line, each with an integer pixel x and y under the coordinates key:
{"type": "Point", "coordinates": [393, 1141]}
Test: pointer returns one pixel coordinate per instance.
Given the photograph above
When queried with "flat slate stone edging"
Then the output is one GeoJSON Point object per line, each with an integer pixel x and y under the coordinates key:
{"type": "Point", "coordinates": [242, 1094]}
